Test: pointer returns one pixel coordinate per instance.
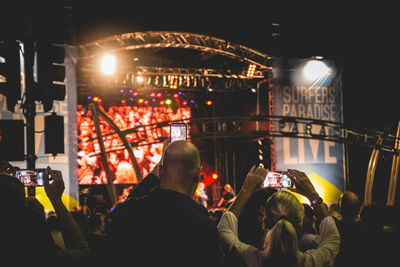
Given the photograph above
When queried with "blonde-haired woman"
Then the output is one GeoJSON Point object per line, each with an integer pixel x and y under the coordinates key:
{"type": "Point", "coordinates": [284, 219]}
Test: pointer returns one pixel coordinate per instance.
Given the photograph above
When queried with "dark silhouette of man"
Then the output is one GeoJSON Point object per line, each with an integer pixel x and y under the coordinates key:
{"type": "Point", "coordinates": [350, 230]}
{"type": "Point", "coordinates": [166, 226]}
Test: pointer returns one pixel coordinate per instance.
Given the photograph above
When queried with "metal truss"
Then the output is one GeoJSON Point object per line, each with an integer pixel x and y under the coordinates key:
{"type": "Point", "coordinates": [257, 127]}
{"type": "Point", "coordinates": [144, 70]}
{"type": "Point", "coordinates": [164, 39]}
{"type": "Point", "coordinates": [185, 78]}
{"type": "Point", "coordinates": [243, 128]}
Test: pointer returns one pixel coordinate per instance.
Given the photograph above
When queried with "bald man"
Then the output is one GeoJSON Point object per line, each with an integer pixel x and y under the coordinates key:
{"type": "Point", "coordinates": [166, 226]}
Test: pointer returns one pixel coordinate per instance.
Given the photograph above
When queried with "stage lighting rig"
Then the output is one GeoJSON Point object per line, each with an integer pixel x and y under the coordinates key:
{"type": "Point", "coordinates": [251, 70]}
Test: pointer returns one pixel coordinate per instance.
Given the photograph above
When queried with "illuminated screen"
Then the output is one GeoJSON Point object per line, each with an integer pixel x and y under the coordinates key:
{"type": "Point", "coordinates": [90, 167]}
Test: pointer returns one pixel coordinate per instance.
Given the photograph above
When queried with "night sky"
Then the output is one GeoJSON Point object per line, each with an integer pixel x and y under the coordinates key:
{"type": "Point", "coordinates": [361, 38]}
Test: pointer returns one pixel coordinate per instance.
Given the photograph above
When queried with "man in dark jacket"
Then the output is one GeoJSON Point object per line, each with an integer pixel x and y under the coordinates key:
{"type": "Point", "coordinates": [166, 227]}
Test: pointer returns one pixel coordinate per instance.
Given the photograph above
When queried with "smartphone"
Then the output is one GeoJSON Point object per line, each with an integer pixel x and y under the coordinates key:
{"type": "Point", "coordinates": [178, 131]}
{"type": "Point", "coordinates": [40, 176]}
{"type": "Point", "coordinates": [277, 179]}
{"type": "Point", "coordinates": [31, 177]}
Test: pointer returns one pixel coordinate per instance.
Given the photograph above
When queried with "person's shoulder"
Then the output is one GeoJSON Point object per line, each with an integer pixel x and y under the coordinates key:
{"type": "Point", "coordinates": [129, 206]}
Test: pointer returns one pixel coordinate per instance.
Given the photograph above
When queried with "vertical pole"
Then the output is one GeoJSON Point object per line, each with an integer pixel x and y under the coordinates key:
{"type": "Point", "coordinates": [29, 110]}
{"type": "Point", "coordinates": [395, 170]}
{"type": "Point", "coordinates": [369, 182]}
{"type": "Point", "coordinates": [30, 106]}
{"type": "Point", "coordinates": [373, 162]}
{"type": "Point", "coordinates": [110, 177]}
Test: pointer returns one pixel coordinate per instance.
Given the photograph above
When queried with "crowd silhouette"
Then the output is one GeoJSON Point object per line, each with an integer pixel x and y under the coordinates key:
{"type": "Point", "coordinates": [161, 223]}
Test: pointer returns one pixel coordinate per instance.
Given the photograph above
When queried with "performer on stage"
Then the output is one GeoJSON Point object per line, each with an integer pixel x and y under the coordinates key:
{"type": "Point", "coordinates": [228, 196]}
{"type": "Point", "coordinates": [200, 195]}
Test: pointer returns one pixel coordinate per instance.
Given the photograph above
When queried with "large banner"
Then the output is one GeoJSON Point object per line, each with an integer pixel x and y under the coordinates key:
{"type": "Point", "coordinates": [310, 89]}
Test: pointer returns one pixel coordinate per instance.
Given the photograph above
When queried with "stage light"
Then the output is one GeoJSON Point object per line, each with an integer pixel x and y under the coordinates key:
{"type": "Point", "coordinates": [191, 101]}
{"type": "Point", "coordinates": [146, 102]}
{"type": "Point", "coordinates": [108, 64]}
{"type": "Point", "coordinates": [180, 93]}
{"type": "Point", "coordinates": [131, 91]}
{"type": "Point", "coordinates": [159, 94]}
{"type": "Point", "coordinates": [99, 100]}
{"type": "Point", "coordinates": [152, 94]}
{"type": "Point", "coordinates": [214, 176]}
{"type": "Point", "coordinates": [251, 70]}
{"type": "Point", "coordinates": [123, 101]}
{"type": "Point", "coordinates": [184, 103]}
{"type": "Point", "coordinates": [139, 79]}
{"type": "Point", "coordinates": [95, 99]}
{"type": "Point", "coordinates": [122, 90]}
{"type": "Point", "coordinates": [253, 90]}
{"type": "Point", "coordinates": [141, 100]}
{"type": "Point", "coordinates": [135, 93]}
{"type": "Point", "coordinates": [176, 95]}
{"type": "Point", "coordinates": [131, 99]}
{"type": "Point", "coordinates": [168, 101]}
{"type": "Point", "coordinates": [315, 69]}
{"type": "Point", "coordinates": [89, 97]}
{"type": "Point", "coordinates": [162, 102]}
{"type": "Point", "coordinates": [209, 102]}
{"type": "Point", "coordinates": [173, 84]}
{"type": "Point", "coordinates": [153, 100]}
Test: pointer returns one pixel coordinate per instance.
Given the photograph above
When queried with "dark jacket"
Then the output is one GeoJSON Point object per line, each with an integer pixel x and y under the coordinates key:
{"type": "Point", "coordinates": [164, 228]}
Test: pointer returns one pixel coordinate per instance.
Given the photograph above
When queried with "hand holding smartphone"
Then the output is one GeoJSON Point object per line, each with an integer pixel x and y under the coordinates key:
{"type": "Point", "coordinates": [31, 177]}
{"type": "Point", "coordinates": [277, 179]}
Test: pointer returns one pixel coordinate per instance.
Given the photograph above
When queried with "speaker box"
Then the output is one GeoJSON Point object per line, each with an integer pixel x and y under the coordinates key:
{"type": "Point", "coordinates": [12, 143]}
{"type": "Point", "coordinates": [54, 134]}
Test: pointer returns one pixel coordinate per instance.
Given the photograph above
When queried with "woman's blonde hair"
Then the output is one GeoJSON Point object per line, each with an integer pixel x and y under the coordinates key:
{"type": "Point", "coordinates": [284, 218]}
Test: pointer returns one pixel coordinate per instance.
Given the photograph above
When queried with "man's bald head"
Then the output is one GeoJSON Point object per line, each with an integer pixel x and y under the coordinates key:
{"type": "Point", "coordinates": [181, 166]}
{"type": "Point", "coordinates": [349, 205]}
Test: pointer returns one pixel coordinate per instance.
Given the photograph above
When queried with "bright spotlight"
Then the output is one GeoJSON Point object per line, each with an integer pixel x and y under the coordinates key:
{"type": "Point", "coordinates": [139, 79]}
{"type": "Point", "coordinates": [108, 64]}
{"type": "Point", "coordinates": [315, 69]}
